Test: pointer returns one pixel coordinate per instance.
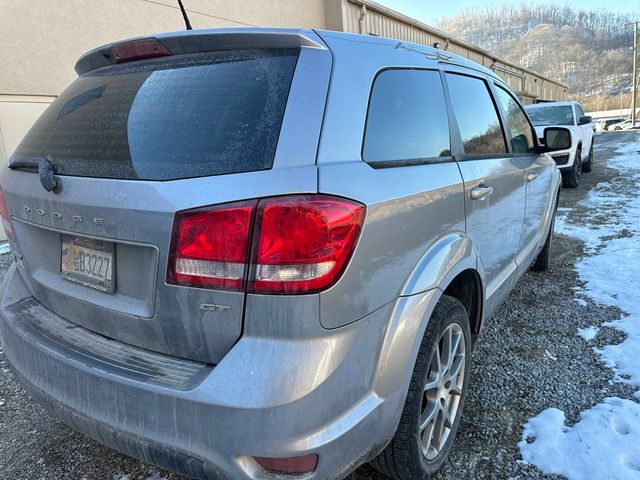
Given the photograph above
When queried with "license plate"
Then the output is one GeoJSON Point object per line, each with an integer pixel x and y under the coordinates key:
{"type": "Point", "coordinates": [88, 262]}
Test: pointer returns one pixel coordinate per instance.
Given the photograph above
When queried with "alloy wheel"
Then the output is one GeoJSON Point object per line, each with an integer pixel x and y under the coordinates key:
{"type": "Point", "coordinates": [442, 391]}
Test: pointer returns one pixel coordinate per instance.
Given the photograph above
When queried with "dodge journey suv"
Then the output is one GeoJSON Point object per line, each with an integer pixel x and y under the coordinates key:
{"type": "Point", "coordinates": [260, 253]}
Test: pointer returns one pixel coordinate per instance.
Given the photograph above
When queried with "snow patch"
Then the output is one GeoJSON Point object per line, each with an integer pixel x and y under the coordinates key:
{"type": "Point", "coordinates": [4, 248]}
{"type": "Point", "coordinates": [588, 333]}
{"type": "Point", "coordinates": [610, 272]}
{"type": "Point", "coordinates": [623, 358]}
{"type": "Point", "coordinates": [603, 444]}
{"type": "Point", "coordinates": [156, 476]}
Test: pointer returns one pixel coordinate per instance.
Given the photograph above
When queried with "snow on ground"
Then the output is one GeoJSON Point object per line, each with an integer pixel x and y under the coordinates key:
{"type": "Point", "coordinates": [604, 443]}
{"type": "Point", "coordinates": [588, 333]}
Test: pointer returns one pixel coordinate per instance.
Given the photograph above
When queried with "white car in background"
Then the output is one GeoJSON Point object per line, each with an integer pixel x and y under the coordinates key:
{"type": "Point", "coordinates": [602, 125]}
{"type": "Point", "coordinates": [624, 125]}
{"type": "Point", "coordinates": [577, 159]}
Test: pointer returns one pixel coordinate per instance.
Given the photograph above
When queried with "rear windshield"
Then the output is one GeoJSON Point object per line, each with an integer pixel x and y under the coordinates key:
{"type": "Point", "coordinates": [551, 115]}
{"type": "Point", "coordinates": [179, 117]}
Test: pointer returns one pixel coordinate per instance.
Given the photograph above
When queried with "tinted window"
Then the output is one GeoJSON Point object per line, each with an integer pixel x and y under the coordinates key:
{"type": "Point", "coordinates": [407, 117]}
{"type": "Point", "coordinates": [520, 133]}
{"type": "Point", "coordinates": [558, 115]}
{"type": "Point", "coordinates": [476, 115]}
{"type": "Point", "coordinates": [179, 117]}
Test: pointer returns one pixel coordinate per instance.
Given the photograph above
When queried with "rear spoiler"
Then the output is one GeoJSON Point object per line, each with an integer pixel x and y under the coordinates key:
{"type": "Point", "coordinates": [195, 41]}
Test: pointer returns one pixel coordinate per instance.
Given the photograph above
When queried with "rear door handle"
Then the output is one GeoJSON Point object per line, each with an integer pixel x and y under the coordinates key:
{"type": "Point", "coordinates": [531, 176]}
{"type": "Point", "coordinates": [480, 192]}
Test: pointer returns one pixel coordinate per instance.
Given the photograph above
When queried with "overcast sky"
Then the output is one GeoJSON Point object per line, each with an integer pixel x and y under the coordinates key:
{"type": "Point", "coordinates": [429, 11]}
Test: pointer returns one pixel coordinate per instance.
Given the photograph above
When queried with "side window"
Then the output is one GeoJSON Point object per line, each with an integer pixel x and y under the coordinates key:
{"type": "Point", "coordinates": [520, 134]}
{"type": "Point", "coordinates": [580, 113]}
{"type": "Point", "coordinates": [476, 114]}
{"type": "Point", "coordinates": [407, 117]}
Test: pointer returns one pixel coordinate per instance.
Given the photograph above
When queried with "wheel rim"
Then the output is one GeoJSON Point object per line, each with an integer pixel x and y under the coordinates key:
{"type": "Point", "coordinates": [442, 391]}
{"type": "Point", "coordinates": [579, 165]}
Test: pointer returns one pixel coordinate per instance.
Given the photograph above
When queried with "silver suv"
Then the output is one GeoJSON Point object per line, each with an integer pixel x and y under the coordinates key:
{"type": "Point", "coordinates": [256, 253]}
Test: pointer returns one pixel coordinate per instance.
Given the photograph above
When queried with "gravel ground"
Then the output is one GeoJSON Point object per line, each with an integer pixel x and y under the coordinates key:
{"type": "Point", "coordinates": [527, 358]}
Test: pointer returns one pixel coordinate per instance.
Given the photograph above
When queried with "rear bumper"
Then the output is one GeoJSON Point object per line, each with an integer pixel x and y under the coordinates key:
{"type": "Point", "coordinates": [213, 430]}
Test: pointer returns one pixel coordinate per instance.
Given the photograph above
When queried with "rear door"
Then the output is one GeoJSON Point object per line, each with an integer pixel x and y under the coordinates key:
{"type": "Point", "coordinates": [135, 143]}
{"type": "Point", "coordinates": [538, 171]}
{"type": "Point", "coordinates": [493, 180]}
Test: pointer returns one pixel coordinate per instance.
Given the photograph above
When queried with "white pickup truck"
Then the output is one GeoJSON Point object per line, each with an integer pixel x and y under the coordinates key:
{"type": "Point", "coordinates": [579, 158]}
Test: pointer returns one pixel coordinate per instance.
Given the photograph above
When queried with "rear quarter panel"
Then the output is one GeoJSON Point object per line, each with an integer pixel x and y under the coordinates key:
{"type": "Point", "coordinates": [408, 208]}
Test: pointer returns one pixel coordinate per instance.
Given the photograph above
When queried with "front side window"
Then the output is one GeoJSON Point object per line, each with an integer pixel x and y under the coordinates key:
{"type": "Point", "coordinates": [407, 117]}
{"type": "Point", "coordinates": [520, 133]}
{"type": "Point", "coordinates": [476, 115]}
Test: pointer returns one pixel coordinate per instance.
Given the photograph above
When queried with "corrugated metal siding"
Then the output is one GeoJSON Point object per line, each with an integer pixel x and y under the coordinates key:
{"type": "Point", "coordinates": [379, 20]}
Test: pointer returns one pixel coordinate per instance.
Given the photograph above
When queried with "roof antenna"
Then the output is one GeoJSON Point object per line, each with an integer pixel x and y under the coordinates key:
{"type": "Point", "coordinates": [184, 15]}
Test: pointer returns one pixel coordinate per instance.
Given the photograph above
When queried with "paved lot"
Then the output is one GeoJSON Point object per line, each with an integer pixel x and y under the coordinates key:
{"type": "Point", "coordinates": [527, 358]}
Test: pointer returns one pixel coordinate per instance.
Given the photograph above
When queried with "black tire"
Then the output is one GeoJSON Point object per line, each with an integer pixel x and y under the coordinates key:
{"type": "Point", "coordinates": [542, 261]}
{"type": "Point", "coordinates": [403, 458]}
{"type": "Point", "coordinates": [571, 179]}
{"type": "Point", "coordinates": [586, 166]}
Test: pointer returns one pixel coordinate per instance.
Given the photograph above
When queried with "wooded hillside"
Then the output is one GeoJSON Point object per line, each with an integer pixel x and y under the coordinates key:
{"type": "Point", "coordinates": [589, 51]}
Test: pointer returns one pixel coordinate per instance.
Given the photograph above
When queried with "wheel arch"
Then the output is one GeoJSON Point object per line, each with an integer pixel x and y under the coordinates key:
{"type": "Point", "coordinates": [466, 286]}
{"type": "Point", "coordinates": [452, 267]}
{"type": "Point", "coordinates": [442, 262]}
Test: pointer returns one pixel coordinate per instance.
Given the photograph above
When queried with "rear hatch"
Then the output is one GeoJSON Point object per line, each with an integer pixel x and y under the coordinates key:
{"type": "Point", "coordinates": [131, 145]}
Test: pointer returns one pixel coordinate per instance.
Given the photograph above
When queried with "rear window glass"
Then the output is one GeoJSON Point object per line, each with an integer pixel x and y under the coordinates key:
{"type": "Point", "coordinates": [180, 117]}
{"type": "Point", "coordinates": [561, 115]}
{"type": "Point", "coordinates": [407, 118]}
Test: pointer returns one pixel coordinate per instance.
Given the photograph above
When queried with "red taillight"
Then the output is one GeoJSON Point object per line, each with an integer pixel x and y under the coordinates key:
{"type": "Point", "coordinates": [210, 247]}
{"type": "Point", "coordinates": [138, 50]}
{"type": "Point", "coordinates": [301, 244]}
{"type": "Point", "coordinates": [291, 465]}
{"type": "Point", "coordinates": [6, 217]}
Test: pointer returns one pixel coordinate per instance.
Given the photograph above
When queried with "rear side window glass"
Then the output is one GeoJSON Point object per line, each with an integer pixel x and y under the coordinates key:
{"type": "Point", "coordinates": [476, 115]}
{"type": "Point", "coordinates": [407, 117]}
{"type": "Point", "coordinates": [177, 117]}
{"type": "Point", "coordinates": [520, 132]}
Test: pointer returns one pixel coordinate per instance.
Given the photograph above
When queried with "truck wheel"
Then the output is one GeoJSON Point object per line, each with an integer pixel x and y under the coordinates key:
{"type": "Point", "coordinates": [571, 179]}
{"type": "Point", "coordinates": [435, 399]}
{"type": "Point", "coordinates": [586, 166]}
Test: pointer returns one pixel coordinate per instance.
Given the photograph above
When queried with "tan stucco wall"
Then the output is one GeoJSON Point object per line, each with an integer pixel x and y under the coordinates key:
{"type": "Point", "coordinates": [17, 114]}
{"type": "Point", "coordinates": [40, 40]}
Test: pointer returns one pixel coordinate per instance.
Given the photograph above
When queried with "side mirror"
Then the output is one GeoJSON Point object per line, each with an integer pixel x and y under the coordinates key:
{"type": "Point", "coordinates": [557, 138]}
{"type": "Point", "coordinates": [584, 120]}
